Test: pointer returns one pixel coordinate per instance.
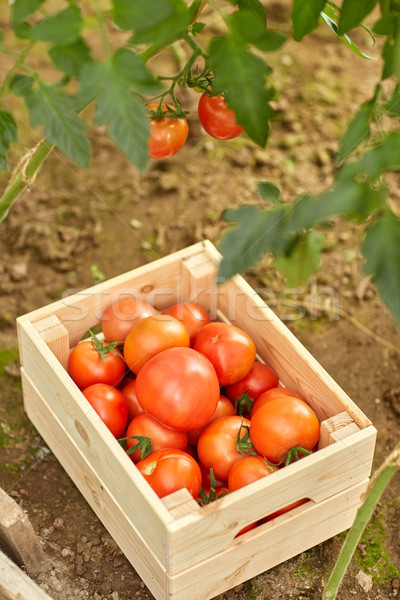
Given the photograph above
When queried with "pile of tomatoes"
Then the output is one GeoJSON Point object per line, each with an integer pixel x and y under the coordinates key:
{"type": "Point", "coordinates": [168, 132]}
{"type": "Point", "coordinates": [188, 399]}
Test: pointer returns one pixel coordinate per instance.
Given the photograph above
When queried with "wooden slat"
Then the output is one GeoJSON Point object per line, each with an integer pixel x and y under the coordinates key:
{"type": "Point", "coordinates": [336, 428]}
{"type": "Point", "coordinates": [17, 536]}
{"type": "Point", "coordinates": [16, 585]}
{"type": "Point", "coordinates": [102, 499]}
{"type": "Point", "coordinates": [199, 281]}
{"type": "Point", "coordinates": [267, 546]}
{"type": "Point", "coordinates": [56, 337]}
{"type": "Point", "coordinates": [318, 476]}
{"type": "Point", "coordinates": [82, 424]}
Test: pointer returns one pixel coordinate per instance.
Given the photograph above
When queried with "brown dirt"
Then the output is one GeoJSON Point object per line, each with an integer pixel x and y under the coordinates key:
{"type": "Point", "coordinates": [72, 222]}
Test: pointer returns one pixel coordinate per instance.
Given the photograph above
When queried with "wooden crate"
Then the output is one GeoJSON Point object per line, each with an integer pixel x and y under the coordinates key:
{"type": "Point", "coordinates": [179, 549]}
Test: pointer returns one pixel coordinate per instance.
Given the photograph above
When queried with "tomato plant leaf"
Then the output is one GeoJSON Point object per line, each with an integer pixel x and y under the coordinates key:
{"type": "Point", "coordinates": [381, 248]}
{"type": "Point", "coordinates": [130, 66]}
{"type": "Point", "coordinates": [392, 106]}
{"type": "Point", "coordinates": [8, 133]}
{"type": "Point", "coordinates": [247, 25]}
{"type": "Point", "coordinates": [70, 58]}
{"type": "Point", "coordinates": [157, 21]}
{"type": "Point", "coordinates": [391, 54]}
{"type": "Point", "coordinates": [305, 16]}
{"type": "Point", "coordinates": [357, 130]}
{"type": "Point", "coordinates": [62, 126]}
{"type": "Point", "coordinates": [61, 28]}
{"type": "Point", "coordinates": [245, 72]}
{"type": "Point", "coordinates": [256, 7]}
{"type": "Point", "coordinates": [255, 233]}
{"type": "Point", "coordinates": [353, 12]}
{"type": "Point", "coordinates": [117, 107]}
{"type": "Point", "coordinates": [269, 191]}
{"type": "Point", "coordinates": [303, 260]}
{"type": "Point", "coordinates": [20, 9]}
{"type": "Point", "coordinates": [384, 157]}
{"type": "Point", "coordinates": [326, 18]}
{"type": "Point", "coordinates": [20, 84]}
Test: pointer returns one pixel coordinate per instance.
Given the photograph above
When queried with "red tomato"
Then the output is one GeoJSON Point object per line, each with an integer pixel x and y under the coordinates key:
{"type": "Point", "coordinates": [218, 445]}
{"type": "Point", "coordinates": [179, 388]}
{"type": "Point", "coordinates": [206, 479]}
{"type": "Point", "coordinates": [134, 408]}
{"type": "Point", "coordinates": [247, 470]}
{"type": "Point", "coordinates": [230, 349]}
{"type": "Point", "coordinates": [167, 135]}
{"type": "Point", "coordinates": [110, 404]}
{"type": "Point", "coordinates": [286, 509]}
{"type": "Point", "coordinates": [169, 470]}
{"type": "Point", "coordinates": [192, 315]}
{"type": "Point", "coordinates": [155, 435]}
{"type": "Point", "coordinates": [276, 392]}
{"type": "Point", "coordinates": [119, 318]}
{"type": "Point", "coordinates": [90, 362]}
{"type": "Point", "coordinates": [224, 408]}
{"type": "Point", "coordinates": [282, 424]}
{"type": "Point", "coordinates": [217, 118]}
{"type": "Point", "coordinates": [259, 379]}
{"type": "Point", "coordinates": [151, 336]}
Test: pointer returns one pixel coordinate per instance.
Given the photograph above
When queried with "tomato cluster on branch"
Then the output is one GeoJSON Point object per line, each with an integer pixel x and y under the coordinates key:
{"type": "Point", "coordinates": [189, 400]}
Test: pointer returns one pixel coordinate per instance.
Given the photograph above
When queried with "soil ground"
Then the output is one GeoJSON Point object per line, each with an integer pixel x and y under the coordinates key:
{"type": "Point", "coordinates": [74, 226]}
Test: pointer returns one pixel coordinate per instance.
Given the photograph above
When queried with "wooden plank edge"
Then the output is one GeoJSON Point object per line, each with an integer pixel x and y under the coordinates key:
{"type": "Point", "coordinates": [96, 493]}
{"type": "Point", "coordinates": [17, 585]}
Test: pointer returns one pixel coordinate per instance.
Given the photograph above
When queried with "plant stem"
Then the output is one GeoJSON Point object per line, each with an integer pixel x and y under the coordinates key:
{"type": "Point", "coordinates": [377, 486]}
{"type": "Point", "coordinates": [102, 27]}
{"type": "Point", "coordinates": [25, 174]}
{"type": "Point", "coordinates": [18, 63]}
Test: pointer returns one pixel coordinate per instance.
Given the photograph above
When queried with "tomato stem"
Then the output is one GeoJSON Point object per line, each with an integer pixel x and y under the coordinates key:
{"type": "Point", "coordinates": [212, 495]}
{"type": "Point", "coordinates": [243, 445]}
{"type": "Point", "coordinates": [102, 348]}
{"type": "Point", "coordinates": [244, 402]}
{"type": "Point", "coordinates": [144, 444]}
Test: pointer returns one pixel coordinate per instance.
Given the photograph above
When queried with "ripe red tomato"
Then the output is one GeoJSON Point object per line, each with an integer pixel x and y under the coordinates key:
{"type": "Point", "coordinates": [91, 362]}
{"type": "Point", "coordinates": [224, 408]}
{"type": "Point", "coordinates": [156, 436]}
{"type": "Point", "coordinates": [110, 404]}
{"type": "Point", "coordinates": [192, 315]}
{"type": "Point", "coordinates": [282, 424]}
{"type": "Point", "coordinates": [119, 318]}
{"type": "Point", "coordinates": [218, 446]}
{"type": "Point", "coordinates": [179, 388]}
{"type": "Point", "coordinates": [134, 408]}
{"type": "Point", "coordinates": [169, 469]}
{"type": "Point", "coordinates": [259, 379]}
{"type": "Point", "coordinates": [167, 135]}
{"type": "Point", "coordinates": [276, 392]}
{"type": "Point", "coordinates": [230, 349]}
{"type": "Point", "coordinates": [217, 118]}
{"type": "Point", "coordinates": [284, 510]}
{"type": "Point", "coordinates": [151, 336]}
{"type": "Point", "coordinates": [247, 470]}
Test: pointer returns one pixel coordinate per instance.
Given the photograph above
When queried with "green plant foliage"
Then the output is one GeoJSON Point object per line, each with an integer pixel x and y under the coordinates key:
{"type": "Point", "coordinates": [8, 133]}
{"type": "Point", "coordinates": [305, 16]}
{"type": "Point", "coordinates": [62, 28]}
{"type": "Point", "coordinates": [302, 260]}
{"type": "Point", "coordinates": [353, 12]}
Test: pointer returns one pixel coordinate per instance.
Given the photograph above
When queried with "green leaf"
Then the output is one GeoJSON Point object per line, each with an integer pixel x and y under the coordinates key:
{"type": "Point", "coordinates": [61, 28]}
{"type": "Point", "coordinates": [158, 21]}
{"type": "Point", "coordinates": [357, 130]}
{"type": "Point", "coordinates": [304, 259]}
{"type": "Point", "coordinates": [268, 191]}
{"type": "Point", "coordinates": [345, 38]}
{"type": "Point", "coordinates": [305, 16]}
{"type": "Point", "coordinates": [381, 248]}
{"type": "Point", "coordinates": [248, 26]}
{"type": "Point", "coordinates": [1, 36]}
{"type": "Point", "coordinates": [20, 9]}
{"type": "Point", "coordinates": [391, 55]}
{"type": "Point", "coordinates": [386, 25]}
{"type": "Point", "coordinates": [256, 7]}
{"type": "Point", "coordinates": [131, 67]}
{"type": "Point", "coordinates": [22, 30]}
{"type": "Point", "coordinates": [8, 133]}
{"type": "Point", "coordinates": [20, 85]}
{"type": "Point", "coordinates": [384, 157]}
{"type": "Point", "coordinates": [392, 106]}
{"type": "Point", "coordinates": [117, 108]}
{"type": "Point", "coordinates": [70, 58]}
{"type": "Point", "coordinates": [62, 126]}
{"type": "Point", "coordinates": [256, 232]}
{"type": "Point", "coordinates": [242, 80]}
{"type": "Point", "coordinates": [353, 12]}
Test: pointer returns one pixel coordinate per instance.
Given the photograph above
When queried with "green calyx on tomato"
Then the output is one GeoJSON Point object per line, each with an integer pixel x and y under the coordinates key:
{"type": "Point", "coordinates": [102, 348]}
{"type": "Point", "coordinates": [213, 493]}
{"type": "Point", "coordinates": [144, 444]}
{"type": "Point", "coordinates": [244, 404]}
{"type": "Point", "coordinates": [292, 455]}
{"type": "Point", "coordinates": [243, 445]}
